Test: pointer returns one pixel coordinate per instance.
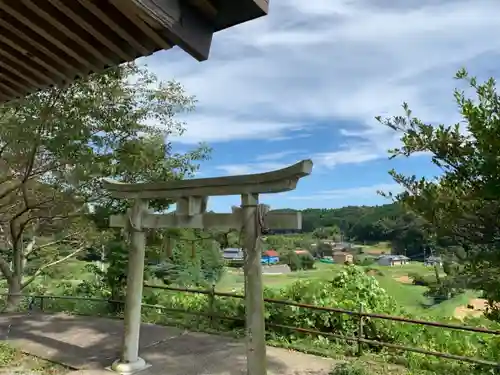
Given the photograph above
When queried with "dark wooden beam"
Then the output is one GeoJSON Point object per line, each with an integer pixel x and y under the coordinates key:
{"type": "Point", "coordinates": [231, 12]}
{"type": "Point", "coordinates": [182, 24]}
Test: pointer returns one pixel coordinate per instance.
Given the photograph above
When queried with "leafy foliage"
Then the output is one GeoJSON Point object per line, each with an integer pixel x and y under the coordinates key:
{"type": "Point", "coordinates": [196, 260]}
{"type": "Point", "coordinates": [55, 147]}
{"type": "Point", "coordinates": [301, 261]}
{"type": "Point", "coordinates": [348, 369]}
{"type": "Point", "coordinates": [349, 290]}
{"type": "Point", "coordinates": [462, 206]}
{"type": "Point", "coordinates": [407, 232]}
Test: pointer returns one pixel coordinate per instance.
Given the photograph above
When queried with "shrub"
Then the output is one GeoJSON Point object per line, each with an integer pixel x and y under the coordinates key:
{"type": "Point", "coordinates": [307, 261]}
{"type": "Point", "coordinates": [293, 260]}
{"type": "Point", "coordinates": [7, 354]}
{"type": "Point", "coordinates": [302, 261]}
{"type": "Point", "coordinates": [364, 261]}
{"type": "Point", "coordinates": [373, 271]}
{"type": "Point", "coordinates": [348, 369]}
{"type": "Point", "coordinates": [422, 280]}
{"type": "Point", "coordinates": [350, 289]}
{"type": "Point", "coordinates": [443, 290]}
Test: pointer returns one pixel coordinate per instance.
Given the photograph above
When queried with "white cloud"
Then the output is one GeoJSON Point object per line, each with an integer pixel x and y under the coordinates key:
{"type": "Point", "coordinates": [356, 192]}
{"type": "Point", "coordinates": [324, 61]}
{"type": "Point", "coordinates": [263, 163]}
{"type": "Point", "coordinates": [277, 155]}
{"type": "Point", "coordinates": [348, 156]}
{"type": "Point", "coordinates": [294, 135]}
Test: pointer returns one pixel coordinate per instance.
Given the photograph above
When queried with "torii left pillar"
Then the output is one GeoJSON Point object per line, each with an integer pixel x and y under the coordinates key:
{"type": "Point", "coordinates": [129, 361]}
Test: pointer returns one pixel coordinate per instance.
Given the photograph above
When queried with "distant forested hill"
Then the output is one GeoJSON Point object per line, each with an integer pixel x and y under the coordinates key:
{"type": "Point", "coordinates": [389, 222]}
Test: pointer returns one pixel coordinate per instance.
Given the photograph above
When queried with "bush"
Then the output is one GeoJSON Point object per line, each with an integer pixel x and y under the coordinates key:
{"type": "Point", "coordinates": [7, 354]}
{"type": "Point", "coordinates": [443, 290]}
{"type": "Point", "coordinates": [348, 369]}
{"type": "Point", "coordinates": [307, 261]}
{"type": "Point", "coordinates": [428, 280]}
{"type": "Point", "coordinates": [350, 289]}
{"type": "Point", "coordinates": [363, 261]}
{"type": "Point", "coordinates": [293, 260]}
{"type": "Point", "coordinates": [373, 271]}
{"type": "Point", "coordinates": [302, 261]}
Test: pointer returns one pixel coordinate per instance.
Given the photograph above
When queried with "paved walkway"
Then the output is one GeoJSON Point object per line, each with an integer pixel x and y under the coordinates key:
{"type": "Point", "coordinates": [89, 344]}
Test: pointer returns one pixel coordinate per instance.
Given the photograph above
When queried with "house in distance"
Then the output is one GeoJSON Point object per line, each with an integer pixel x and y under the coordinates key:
{"type": "Point", "coordinates": [341, 257]}
{"type": "Point", "coordinates": [234, 257]}
{"type": "Point", "coordinates": [270, 257]}
{"type": "Point", "coordinates": [393, 260]}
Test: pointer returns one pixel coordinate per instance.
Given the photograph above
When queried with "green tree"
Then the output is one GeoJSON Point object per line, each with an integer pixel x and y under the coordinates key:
{"type": "Point", "coordinates": [56, 146]}
{"type": "Point", "coordinates": [323, 249]}
{"type": "Point", "coordinates": [462, 205]}
{"type": "Point", "coordinates": [320, 233]}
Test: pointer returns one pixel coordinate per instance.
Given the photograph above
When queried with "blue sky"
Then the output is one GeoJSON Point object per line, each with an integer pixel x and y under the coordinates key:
{"type": "Point", "coordinates": [307, 81]}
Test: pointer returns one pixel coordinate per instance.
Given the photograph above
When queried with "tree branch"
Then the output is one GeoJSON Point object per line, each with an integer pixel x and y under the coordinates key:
{"type": "Point", "coordinates": [52, 243]}
{"type": "Point", "coordinates": [42, 268]}
{"type": "Point", "coordinates": [5, 268]}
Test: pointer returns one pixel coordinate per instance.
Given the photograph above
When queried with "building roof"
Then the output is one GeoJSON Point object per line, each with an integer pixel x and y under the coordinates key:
{"type": "Point", "coordinates": [232, 253]}
{"type": "Point", "coordinates": [301, 251]}
{"type": "Point", "coordinates": [271, 253]}
{"type": "Point", "coordinates": [394, 257]}
{"type": "Point", "coordinates": [232, 250]}
{"type": "Point", "coordinates": [43, 43]}
{"type": "Point", "coordinates": [433, 259]}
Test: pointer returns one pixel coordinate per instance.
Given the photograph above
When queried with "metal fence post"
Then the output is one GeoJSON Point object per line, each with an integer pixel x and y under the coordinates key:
{"type": "Point", "coordinates": [360, 331]}
{"type": "Point", "coordinates": [211, 305]}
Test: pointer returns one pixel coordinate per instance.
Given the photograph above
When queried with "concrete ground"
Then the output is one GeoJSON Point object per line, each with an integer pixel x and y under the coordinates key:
{"type": "Point", "coordinates": [89, 344]}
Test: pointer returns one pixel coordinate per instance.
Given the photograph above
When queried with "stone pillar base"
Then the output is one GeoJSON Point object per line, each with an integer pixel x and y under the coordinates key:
{"type": "Point", "coordinates": [129, 368]}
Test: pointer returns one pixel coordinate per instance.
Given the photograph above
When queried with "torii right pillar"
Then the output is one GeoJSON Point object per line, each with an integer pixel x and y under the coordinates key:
{"type": "Point", "coordinates": [254, 297]}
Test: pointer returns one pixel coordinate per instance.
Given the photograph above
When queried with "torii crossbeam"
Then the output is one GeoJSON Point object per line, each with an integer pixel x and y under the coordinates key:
{"type": "Point", "coordinates": [192, 197]}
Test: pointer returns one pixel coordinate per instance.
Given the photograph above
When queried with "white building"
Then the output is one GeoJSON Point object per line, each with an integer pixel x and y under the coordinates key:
{"type": "Point", "coordinates": [433, 261]}
{"type": "Point", "coordinates": [232, 253]}
{"type": "Point", "coordinates": [393, 260]}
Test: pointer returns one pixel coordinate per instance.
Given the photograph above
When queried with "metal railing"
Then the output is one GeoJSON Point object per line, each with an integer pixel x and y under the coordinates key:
{"type": "Point", "coordinates": [359, 338]}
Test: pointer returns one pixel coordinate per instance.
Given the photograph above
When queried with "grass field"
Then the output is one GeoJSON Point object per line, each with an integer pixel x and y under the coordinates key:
{"type": "Point", "coordinates": [411, 297]}
{"type": "Point", "coordinates": [234, 279]}
{"type": "Point", "coordinates": [376, 249]}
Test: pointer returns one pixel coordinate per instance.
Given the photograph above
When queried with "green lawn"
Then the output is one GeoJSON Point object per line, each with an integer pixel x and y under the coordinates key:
{"type": "Point", "coordinates": [234, 280]}
{"type": "Point", "coordinates": [377, 248]}
{"type": "Point", "coordinates": [411, 297]}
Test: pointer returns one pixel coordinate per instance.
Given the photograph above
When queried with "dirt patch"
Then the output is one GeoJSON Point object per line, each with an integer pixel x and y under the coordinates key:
{"type": "Point", "coordinates": [474, 308]}
{"type": "Point", "coordinates": [374, 272]}
{"type": "Point", "coordinates": [404, 279]}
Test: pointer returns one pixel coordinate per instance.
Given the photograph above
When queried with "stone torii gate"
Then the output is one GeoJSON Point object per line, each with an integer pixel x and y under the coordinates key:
{"type": "Point", "coordinates": [191, 197]}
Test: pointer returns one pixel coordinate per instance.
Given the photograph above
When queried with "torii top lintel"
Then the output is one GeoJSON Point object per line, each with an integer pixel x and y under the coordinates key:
{"type": "Point", "coordinates": [277, 181]}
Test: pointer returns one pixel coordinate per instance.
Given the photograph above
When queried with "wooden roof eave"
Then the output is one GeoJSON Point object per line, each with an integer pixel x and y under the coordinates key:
{"type": "Point", "coordinates": [50, 42]}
